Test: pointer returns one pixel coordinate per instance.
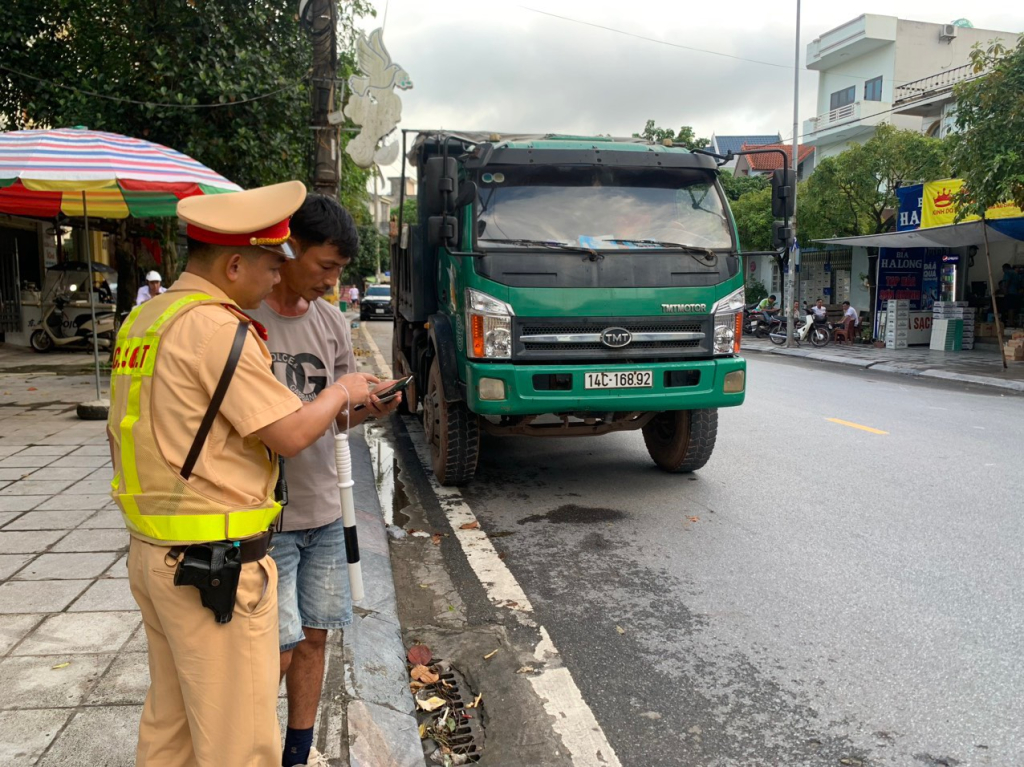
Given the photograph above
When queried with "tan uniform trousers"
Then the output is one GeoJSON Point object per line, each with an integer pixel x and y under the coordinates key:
{"type": "Point", "coordinates": [212, 699]}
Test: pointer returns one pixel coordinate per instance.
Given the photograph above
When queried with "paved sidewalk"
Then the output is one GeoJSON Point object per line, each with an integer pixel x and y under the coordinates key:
{"type": "Point", "coordinates": [980, 366]}
{"type": "Point", "coordinates": [72, 647]}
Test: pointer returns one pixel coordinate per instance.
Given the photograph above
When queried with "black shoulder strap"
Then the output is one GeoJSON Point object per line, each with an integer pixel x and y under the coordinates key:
{"type": "Point", "coordinates": [216, 400]}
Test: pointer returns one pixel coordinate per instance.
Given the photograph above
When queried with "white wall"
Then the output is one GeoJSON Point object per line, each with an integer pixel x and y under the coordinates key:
{"type": "Point", "coordinates": [856, 71]}
{"type": "Point", "coordinates": [920, 53]}
{"type": "Point", "coordinates": [860, 297]}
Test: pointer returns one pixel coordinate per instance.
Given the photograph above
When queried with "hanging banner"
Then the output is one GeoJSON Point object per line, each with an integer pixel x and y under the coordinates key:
{"type": "Point", "coordinates": [938, 208]}
{"type": "Point", "coordinates": [900, 275]}
{"type": "Point", "coordinates": [910, 198]}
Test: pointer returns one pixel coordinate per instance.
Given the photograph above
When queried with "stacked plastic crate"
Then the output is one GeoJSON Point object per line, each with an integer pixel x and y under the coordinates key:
{"type": "Point", "coordinates": [949, 319]}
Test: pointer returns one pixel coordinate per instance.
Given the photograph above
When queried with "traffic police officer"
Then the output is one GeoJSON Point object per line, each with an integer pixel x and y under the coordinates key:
{"type": "Point", "coordinates": [196, 422]}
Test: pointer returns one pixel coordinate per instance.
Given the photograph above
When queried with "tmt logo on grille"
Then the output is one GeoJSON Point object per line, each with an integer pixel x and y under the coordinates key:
{"type": "Point", "coordinates": [684, 308]}
{"type": "Point", "coordinates": [616, 338]}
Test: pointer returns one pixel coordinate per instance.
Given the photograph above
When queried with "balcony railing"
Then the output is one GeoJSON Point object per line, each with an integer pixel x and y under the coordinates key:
{"type": "Point", "coordinates": [933, 84]}
{"type": "Point", "coordinates": [844, 114]}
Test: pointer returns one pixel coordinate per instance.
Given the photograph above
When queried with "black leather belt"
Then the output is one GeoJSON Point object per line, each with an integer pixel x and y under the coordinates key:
{"type": "Point", "coordinates": [251, 549]}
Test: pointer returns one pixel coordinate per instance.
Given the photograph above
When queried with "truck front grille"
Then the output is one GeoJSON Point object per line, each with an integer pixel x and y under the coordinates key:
{"type": "Point", "coordinates": [556, 340]}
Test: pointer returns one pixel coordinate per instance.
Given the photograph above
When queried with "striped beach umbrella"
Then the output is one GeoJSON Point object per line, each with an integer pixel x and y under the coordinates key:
{"type": "Point", "coordinates": [80, 172]}
{"type": "Point", "coordinates": [47, 172]}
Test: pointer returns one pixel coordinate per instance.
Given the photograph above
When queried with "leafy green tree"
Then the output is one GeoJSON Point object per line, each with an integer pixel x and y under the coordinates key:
{"type": "Point", "coordinates": [737, 186]}
{"type": "Point", "coordinates": [410, 211]}
{"type": "Point", "coordinates": [854, 193]}
{"type": "Point", "coordinates": [684, 137]}
{"type": "Point", "coordinates": [371, 244]}
{"type": "Point", "coordinates": [754, 290]}
{"type": "Point", "coordinates": [988, 150]}
{"type": "Point", "coordinates": [110, 65]}
{"type": "Point", "coordinates": [753, 214]}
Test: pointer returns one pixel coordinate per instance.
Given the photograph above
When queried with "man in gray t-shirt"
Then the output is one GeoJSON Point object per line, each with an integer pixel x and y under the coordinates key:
{"type": "Point", "coordinates": [311, 347]}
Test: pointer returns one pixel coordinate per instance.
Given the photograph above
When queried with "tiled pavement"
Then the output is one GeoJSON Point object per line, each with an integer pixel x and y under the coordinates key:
{"type": "Point", "coordinates": [73, 667]}
{"type": "Point", "coordinates": [72, 650]}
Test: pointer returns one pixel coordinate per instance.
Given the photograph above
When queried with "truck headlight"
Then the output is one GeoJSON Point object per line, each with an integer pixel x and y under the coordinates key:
{"type": "Point", "coordinates": [490, 326]}
{"type": "Point", "coordinates": [728, 323]}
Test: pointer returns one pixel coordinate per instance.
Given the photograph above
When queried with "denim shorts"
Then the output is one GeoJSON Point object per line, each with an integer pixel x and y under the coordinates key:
{"type": "Point", "coordinates": [312, 586]}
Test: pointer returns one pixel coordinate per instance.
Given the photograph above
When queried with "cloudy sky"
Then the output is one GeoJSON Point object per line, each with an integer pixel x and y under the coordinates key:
{"type": "Point", "coordinates": [495, 65]}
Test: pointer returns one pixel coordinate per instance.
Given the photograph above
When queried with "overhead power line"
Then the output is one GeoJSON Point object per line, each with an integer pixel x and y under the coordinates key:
{"type": "Point", "coordinates": [694, 49]}
{"type": "Point", "coordinates": [168, 105]}
{"type": "Point", "coordinates": [654, 39]}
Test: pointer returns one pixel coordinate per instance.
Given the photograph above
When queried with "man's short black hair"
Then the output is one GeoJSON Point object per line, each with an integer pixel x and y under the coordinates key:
{"type": "Point", "coordinates": [846, 303]}
{"type": "Point", "coordinates": [207, 253]}
{"type": "Point", "coordinates": [322, 221]}
{"type": "Point", "coordinates": [1006, 266]}
{"type": "Point", "coordinates": [772, 296]}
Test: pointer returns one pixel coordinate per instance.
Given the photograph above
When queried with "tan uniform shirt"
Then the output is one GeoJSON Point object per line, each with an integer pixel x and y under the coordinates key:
{"type": "Point", "coordinates": [233, 464]}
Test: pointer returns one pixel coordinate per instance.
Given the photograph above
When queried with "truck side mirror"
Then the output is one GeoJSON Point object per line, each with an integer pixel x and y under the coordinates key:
{"type": "Point", "coordinates": [440, 186]}
{"type": "Point", "coordinates": [781, 234]}
{"type": "Point", "coordinates": [783, 193]}
{"type": "Point", "coordinates": [442, 230]}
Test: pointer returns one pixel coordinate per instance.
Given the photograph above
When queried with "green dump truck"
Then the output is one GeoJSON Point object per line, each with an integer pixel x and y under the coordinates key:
{"type": "Point", "coordinates": [563, 286]}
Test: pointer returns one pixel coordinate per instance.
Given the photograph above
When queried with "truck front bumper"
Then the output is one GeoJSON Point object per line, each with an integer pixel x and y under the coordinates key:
{"type": "Point", "coordinates": [540, 389]}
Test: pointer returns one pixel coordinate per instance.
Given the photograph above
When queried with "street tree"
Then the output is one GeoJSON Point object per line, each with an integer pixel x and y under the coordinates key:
{"type": "Point", "coordinates": [737, 186]}
{"type": "Point", "coordinates": [987, 148]}
{"type": "Point", "coordinates": [222, 81]}
{"type": "Point", "coordinates": [684, 137]}
{"type": "Point", "coordinates": [854, 193]}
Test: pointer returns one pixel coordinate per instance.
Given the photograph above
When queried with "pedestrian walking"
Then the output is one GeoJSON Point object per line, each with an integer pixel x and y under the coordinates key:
{"type": "Point", "coordinates": [353, 295]}
{"type": "Point", "coordinates": [151, 289]}
{"type": "Point", "coordinates": [195, 482]}
{"type": "Point", "coordinates": [311, 348]}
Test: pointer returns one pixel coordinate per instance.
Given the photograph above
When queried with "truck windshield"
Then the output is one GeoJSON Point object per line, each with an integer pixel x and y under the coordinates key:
{"type": "Point", "coordinates": [602, 208]}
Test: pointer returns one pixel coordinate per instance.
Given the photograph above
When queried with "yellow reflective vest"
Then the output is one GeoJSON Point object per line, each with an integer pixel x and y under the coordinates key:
{"type": "Point", "coordinates": [158, 505]}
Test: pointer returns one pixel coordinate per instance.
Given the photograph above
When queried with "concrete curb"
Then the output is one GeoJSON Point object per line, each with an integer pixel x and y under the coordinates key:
{"type": "Point", "coordinates": [382, 728]}
{"type": "Point", "coordinates": [891, 367]}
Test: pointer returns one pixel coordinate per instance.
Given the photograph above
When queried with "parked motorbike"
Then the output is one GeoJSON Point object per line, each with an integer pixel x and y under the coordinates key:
{"type": "Point", "coordinates": [58, 328]}
{"type": "Point", "coordinates": [818, 333]}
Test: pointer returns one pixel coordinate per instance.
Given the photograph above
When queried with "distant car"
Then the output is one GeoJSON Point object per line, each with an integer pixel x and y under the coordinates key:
{"type": "Point", "coordinates": [376, 302]}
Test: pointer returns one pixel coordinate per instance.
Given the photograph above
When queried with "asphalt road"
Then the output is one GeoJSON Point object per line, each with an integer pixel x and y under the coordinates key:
{"type": "Point", "coordinates": [817, 595]}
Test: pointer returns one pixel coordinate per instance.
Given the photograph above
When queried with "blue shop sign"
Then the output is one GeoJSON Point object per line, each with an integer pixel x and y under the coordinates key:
{"type": "Point", "coordinates": [909, 216]}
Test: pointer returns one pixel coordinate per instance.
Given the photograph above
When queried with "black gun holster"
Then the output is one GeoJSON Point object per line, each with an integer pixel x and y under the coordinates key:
{"type": "Point", "coordinates": [213, 568]}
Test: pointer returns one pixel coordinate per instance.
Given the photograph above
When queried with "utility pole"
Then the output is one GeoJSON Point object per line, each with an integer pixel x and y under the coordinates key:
{"type": "Point", "coordinates": [376, 220]}
{"type": "Point", "coordinates": [793, 275]}
{"type": "Point", "coordinates": [320, 18]}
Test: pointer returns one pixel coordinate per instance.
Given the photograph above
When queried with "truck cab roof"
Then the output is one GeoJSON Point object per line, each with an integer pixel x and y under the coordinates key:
{"type": "Point", "coordinates": [483, 148]}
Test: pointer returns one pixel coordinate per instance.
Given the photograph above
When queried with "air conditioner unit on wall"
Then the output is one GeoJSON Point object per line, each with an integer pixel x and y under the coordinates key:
{"type": "Point", "coordinates": [948, 32]}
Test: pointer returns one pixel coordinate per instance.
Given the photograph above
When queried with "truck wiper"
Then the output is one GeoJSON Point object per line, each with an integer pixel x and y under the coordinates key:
{"type": "Point", "coordinates": [553, 244]}
{"type": "Point", "coordinates": [710, 257]}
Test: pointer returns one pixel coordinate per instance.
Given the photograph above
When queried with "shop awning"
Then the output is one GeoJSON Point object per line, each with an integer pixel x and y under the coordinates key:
{"type": "Point", "coordinates": [951, 236]}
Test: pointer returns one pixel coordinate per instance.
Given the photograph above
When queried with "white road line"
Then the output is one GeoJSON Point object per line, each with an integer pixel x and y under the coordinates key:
{"type": "Point", "coordinates": [378, 358]}
{"type": "Point", "coordinates": [572, 718]}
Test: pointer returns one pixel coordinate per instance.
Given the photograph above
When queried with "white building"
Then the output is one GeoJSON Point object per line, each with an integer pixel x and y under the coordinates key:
{"type": "Point", "coordinates": [881, 69]}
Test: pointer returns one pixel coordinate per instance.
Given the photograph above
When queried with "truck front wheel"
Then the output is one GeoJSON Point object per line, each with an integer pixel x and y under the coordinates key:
{"type": "Point", "coordinates": [452, 431]}
{"type": "Point", "coordinates": [681, 440]}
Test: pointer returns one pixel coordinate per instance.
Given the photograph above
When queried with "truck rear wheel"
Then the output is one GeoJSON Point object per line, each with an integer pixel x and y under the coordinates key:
{"type": "Point", "coordinates": [452, 432]}
{"type": "Point", "coordinates": [681, 440]}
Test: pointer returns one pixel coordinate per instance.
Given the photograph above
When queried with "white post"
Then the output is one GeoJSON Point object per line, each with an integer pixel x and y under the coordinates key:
{"type": "Point", "coordinates": [376, 221]}
{"type": "Point", "coordinates": [343, 461]}
{"type": "Point", "coordinates": [92, 300]}
{"type": "Point", "coordinates": [793, 277]}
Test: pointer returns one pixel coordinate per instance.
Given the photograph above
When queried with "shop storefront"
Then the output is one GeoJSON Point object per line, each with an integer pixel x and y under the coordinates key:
{"type": "Point", "coordinates": [930, 259]}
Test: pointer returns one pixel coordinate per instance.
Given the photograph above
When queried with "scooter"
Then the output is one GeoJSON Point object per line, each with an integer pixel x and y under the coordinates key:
{"type": "Point", "coordinates": [59, 329]}
{"type": "Point", "coordinates": [818, 333]}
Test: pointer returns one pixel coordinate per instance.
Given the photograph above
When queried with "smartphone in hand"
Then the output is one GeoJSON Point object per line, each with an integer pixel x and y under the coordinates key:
{"type": "Point", "coordinates": [388, 394]}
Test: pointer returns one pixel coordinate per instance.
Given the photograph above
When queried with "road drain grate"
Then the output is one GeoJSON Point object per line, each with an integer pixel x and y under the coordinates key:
{"type": "Point", "coordinates": [450, 718]}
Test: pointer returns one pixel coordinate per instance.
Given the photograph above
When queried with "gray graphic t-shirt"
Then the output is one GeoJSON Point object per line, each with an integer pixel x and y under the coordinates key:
{"type": "Point", "coordinates": [310, 353]}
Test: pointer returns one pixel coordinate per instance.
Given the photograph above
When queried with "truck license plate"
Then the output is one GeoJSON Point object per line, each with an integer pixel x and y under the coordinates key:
{"type": "Point", "coordinates": [623, 379]}
{"type": "Point", "coordinates": [379, 311]}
